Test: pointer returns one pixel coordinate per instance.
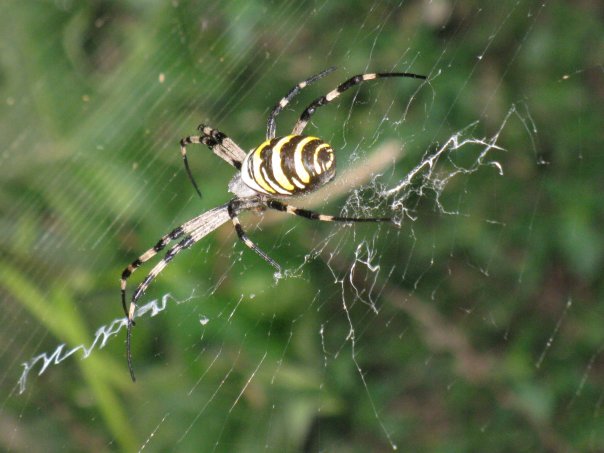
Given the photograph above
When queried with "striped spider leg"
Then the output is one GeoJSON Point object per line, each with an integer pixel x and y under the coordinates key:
{"type": "Point", "coordinates": [333, 94]}
{"type": "Point", "coordinates": [193, 231]}
{"type": "Point", "coordinates": [312, 215]}
{"type": "Point", "coordinates": [270, 123]}
{"type": "Point", "coordinates": [217, 141]}
{"type": "Point", "coordinates": [238, 205]}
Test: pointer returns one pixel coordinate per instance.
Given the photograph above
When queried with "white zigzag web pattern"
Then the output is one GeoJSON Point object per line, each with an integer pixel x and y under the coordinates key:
{"type": "Point", "coordinates": [101, 337]}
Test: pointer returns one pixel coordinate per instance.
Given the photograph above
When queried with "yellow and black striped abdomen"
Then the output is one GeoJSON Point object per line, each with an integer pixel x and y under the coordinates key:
{"type": "Point", "coordinates": [290, 165]}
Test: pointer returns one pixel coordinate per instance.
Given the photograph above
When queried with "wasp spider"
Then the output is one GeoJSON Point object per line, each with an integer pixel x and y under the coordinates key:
{"type": "Point", "coordinates": [280, 167]}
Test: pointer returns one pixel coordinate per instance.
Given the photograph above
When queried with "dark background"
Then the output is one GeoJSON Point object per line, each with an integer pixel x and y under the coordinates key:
{"type": "Point", "coordinates": [482, 328]}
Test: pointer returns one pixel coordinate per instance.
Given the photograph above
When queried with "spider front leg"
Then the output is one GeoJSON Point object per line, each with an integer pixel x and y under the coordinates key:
{"type": "Point", "coordinates": [312, 215]}
{"type": "Point", "coordinates": [218, 142]}
{"type": "Point", "coordinates": [186, 228]}
{"type": "Point", "coordinates": [194, 230]}
{"type": "Point", "coordinates": [161, 244]}
{"type": "Point", "coordinates": [142, 287]}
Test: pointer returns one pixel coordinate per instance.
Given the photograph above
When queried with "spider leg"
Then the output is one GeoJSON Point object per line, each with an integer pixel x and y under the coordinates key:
{"type": "Point", "coordinates": [217, 141]}
{"type": "Point", "coordinates": [329, 97]}
{"type": "Point", "coordinates": [270, 124]}
{"type": "Point", "coordinates": [186, 228]}
{"type": "Point", "coordinates": [142, 287]}
{"type": "Point", "coordinates": [198, 227]}
{"type": "Point", "coordinates": [246, 240]}
{"type": "Point", "coordinates": [165, 240]}
{"type": "Point", "coordinates": [195, 230]}
{"type": "Point", "coordinates": [312, 215]}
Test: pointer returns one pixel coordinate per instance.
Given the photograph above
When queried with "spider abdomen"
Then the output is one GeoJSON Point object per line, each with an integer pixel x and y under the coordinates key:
{"type": "Point", "coordinates": [290, 165]}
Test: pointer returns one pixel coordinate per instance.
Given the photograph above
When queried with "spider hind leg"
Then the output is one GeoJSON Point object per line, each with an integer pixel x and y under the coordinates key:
{"type": "Point", "coordinates": [312, 215]}
{"type": "Point", "coordinates": [270, 124]}
{"type": "Point", "coordinates": [335, 93]}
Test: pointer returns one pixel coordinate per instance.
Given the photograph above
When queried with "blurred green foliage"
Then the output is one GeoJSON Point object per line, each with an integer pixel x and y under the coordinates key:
{"type": "Point", "coordinates": [488, 335]}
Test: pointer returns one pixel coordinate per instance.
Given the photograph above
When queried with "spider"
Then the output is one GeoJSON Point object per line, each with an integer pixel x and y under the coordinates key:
{"type": "Point", "coordinates": [280, 167]}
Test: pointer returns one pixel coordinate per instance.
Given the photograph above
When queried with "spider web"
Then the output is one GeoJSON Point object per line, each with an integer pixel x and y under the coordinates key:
{"type": "Point", "coordinates": [472, 324]}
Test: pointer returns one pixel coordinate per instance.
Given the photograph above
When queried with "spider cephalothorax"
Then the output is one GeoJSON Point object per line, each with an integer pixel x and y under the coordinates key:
{"type": "Point", "coordinates": [280, 167]}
